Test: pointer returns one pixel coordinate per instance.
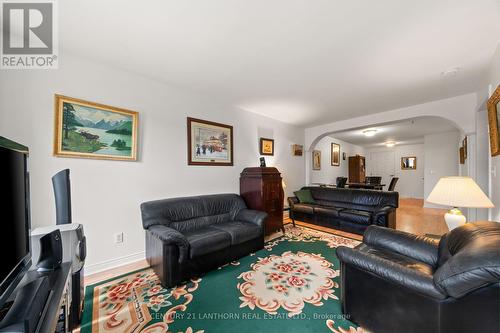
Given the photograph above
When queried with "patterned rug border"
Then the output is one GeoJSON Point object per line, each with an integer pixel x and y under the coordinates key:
{"type": "Point", "coordinates": [89, 294]}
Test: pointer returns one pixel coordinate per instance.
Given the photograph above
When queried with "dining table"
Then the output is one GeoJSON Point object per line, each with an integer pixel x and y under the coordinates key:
{"type": "Point", "coordinates": [366, 186]}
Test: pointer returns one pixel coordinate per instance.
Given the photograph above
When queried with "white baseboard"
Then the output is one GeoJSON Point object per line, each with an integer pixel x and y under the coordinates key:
{"type": "Point", "coordinates": [113, 263]}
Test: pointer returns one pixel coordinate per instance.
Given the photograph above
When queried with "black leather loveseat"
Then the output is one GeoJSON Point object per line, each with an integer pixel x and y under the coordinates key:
{"type": "Point", "coordinates": [186, 237]}
{"type": "Point", "coordinates": [399, 282]}
{"type": "Point", "coordinates": [351, 210]}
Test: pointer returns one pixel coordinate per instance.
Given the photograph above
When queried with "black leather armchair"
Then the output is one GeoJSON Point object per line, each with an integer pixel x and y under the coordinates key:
{"type": "Point", "coordinates": [186, 237]}
{"type": "Point", "coordinates": [399, 282]}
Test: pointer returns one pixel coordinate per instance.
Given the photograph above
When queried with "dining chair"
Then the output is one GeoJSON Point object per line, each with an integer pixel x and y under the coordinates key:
{"type": "Point", "coordinates": [392, 184]}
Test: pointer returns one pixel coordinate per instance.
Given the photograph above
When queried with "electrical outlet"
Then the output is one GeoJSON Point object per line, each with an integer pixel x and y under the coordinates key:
{"type": "Point", "coordinates": [119, 238]}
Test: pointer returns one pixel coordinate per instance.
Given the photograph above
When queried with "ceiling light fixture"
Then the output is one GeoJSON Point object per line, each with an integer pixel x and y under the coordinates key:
{"type": "Point", "coordinates": [390, 144]}
{"type": "Point", "coordinates": [370, 132]}
{"type": "Point", "coordinates": [451, 72]}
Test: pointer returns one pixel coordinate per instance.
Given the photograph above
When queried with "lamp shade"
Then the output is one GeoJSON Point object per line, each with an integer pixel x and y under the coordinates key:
{"type": "Point", "coordinates": [459, 192]}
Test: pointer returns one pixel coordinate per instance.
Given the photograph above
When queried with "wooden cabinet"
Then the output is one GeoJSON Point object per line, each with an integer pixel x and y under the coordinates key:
{"type": "Point", "coordinates": [261, 188]}
{"type": "Point", "coordinates": [356, 169]}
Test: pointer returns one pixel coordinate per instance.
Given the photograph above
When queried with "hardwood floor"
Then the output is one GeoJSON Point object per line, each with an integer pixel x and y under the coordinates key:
{"type": "Point", "coordinates": [108, 274]}
{"type": "Point", "coordinates": [411, 217]}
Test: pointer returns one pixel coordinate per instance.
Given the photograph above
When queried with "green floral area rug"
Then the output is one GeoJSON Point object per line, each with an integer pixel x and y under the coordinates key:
{"type": "Point", "coordinates": [292, 285]}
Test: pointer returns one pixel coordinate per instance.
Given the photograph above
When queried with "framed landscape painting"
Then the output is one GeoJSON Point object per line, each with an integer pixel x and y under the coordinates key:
{"type": "Point", "coordinates": [90, 130]}
{"type": "Point", "coordinates": [209, 143]}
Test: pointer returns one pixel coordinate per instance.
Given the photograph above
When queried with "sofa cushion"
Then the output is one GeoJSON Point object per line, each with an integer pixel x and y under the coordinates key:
{"type": "Point", "coordinates": [184, 214]}
{"type": "Point", "coordinates": [327, 211]}
{"type": "Point", "coordinates": [354, 197]}
{"type": "Point", "coordinates": [304, 196]}
{"type": "Point", "coordinates": [240, 232]}
{"type": "Point", "coordinates": [206, 240]}
{"type": "Point", "coordinates": [303, 208]}
{"type": "Point", "coordinates": [356, 216]}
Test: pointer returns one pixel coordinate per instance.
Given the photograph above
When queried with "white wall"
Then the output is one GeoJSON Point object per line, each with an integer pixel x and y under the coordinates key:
{"type": "Point", "coordinates": [328, 173]}
{"type": "Point", "coordinates": [441, 159]}
{"type": "Point", "coordinates": [482, 154]}
{"type": "Point", "coordinates": [461, 110]}
{"type": "Point", "coordinates": [410, 183]}
{"type": "Point", "coordinates": [495, 161]}
{"type": "Point", "coordinates": [107, 194]}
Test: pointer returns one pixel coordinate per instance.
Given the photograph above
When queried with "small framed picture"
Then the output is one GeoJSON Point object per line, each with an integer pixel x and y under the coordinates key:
{"type": "Point", "coordinates": [297, 150]}
{"type": "Point", "coordinates": [316, 155]}
{"type": "Point", "coordinates": [209, 143]}
{"type": "Point", "coordinates": [461, 155]}
{"type": "Point", "coordinates": [335, 154]}
{"type": "Point", "coordinates": [408, 163]}
{"type": "Point", "coordinates": [266, 146]}
{"type": "Point", "coordinates": [343, 156]}
{"type": "Point", "coordinates": [464, 144]}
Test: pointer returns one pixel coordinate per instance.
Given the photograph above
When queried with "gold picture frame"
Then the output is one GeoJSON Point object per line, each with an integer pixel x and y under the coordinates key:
{"type": "Point", "coordinates": [84, 129]}
{"type": "Point", "coordinates": [266, 147]}
{"type": "Point", "coordinates": [297, 150]}
{"type": "Point", "coordinates": [335, 154]}
{"type": "Point", "coordinates": [409, 163]}
{"type": "Point", "coordinates": [464, 145]}
{"type": "Point", "coordinates": [494, 121]}
{"type": "Point", "coordinates": [316, 156]}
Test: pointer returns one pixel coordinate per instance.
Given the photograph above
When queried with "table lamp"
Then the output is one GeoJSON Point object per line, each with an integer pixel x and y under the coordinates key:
{"type": "Point", "coordinates": [458, 192]}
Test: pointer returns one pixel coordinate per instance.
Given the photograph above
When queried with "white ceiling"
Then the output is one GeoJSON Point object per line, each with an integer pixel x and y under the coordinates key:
{"type": "Point", "coordinates": [406, 132]}
{"type": "Point", "coordinates": [304, 62]}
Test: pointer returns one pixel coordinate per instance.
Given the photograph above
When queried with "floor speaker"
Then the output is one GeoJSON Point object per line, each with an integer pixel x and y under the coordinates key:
{"type": "Point", "coordinates": [62, 193]}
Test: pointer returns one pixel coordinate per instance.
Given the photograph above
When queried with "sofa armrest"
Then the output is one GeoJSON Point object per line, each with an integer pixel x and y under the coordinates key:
{"type": "Point", "coordinates": [252, 216]}
{"type": "Point", "coordinates": [171, 236]}
{"type": "Point", "coordinates": [292, 201]}
{"type": "Point", "coordinates": [384, 268]}
{"type": "Point", "coordinates": [383, 211]}
{"type": "Point", "coordinates": [420, 248]}
{"type": "Point", "coordinates": [470, 269]}
{"type": "Point", "coordinates": [385, 217]}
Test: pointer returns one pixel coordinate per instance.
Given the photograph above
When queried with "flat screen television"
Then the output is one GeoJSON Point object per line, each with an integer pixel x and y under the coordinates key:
{"type": "Point", "coordinates": [14, 216]}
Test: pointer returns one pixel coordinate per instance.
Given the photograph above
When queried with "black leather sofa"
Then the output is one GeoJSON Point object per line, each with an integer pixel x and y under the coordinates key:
{"type": "Point", "coordinates": [186, 237]}
{"type": "Point", "coordinates": [399, 282]}
{"type": "Point", "coordinates": [351, 210]}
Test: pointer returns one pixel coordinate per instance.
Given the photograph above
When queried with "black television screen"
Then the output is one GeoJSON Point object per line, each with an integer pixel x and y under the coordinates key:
{"type": "Point", "coordinates": [15, 216]}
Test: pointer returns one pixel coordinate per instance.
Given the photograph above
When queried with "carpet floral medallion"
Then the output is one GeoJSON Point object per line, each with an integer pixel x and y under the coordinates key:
{"type": "Point", "coordinates": [288, 281]}
{"type": "Point", "coordinates": [292, 285]}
